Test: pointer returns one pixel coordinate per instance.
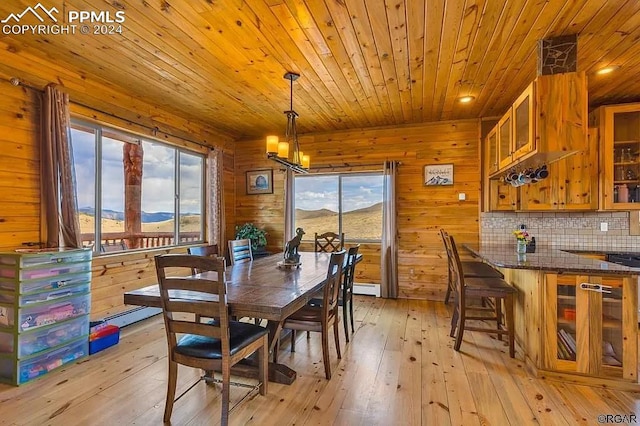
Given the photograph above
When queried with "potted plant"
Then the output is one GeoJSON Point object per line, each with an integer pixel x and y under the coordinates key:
{"type": "Point", "coordinates": [257, 236]}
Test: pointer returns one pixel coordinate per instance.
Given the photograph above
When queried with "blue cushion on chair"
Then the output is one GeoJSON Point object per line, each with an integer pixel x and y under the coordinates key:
{"type": "Point", "coordinates": [240, 335]}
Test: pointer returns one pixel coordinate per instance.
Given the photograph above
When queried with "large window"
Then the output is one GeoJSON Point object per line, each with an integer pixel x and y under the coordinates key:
{"type": "Point", "coordinates": [349, 203]}
{"type": "Point", "coordinates": [131, 190]}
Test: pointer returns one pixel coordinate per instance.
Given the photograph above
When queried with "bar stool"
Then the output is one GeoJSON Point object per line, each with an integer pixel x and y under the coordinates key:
{"type": "Point", "coordinates": [470, 269]}
{"type": "Point", "coordinates": [492, 288]}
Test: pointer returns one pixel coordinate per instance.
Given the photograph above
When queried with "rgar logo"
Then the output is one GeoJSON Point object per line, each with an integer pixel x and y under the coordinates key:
{"type": "Point", "coordinates": [34, 11]}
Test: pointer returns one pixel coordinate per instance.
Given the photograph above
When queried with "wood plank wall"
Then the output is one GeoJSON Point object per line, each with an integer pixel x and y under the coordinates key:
{"type": "Point", "coordinates": [113, 274]}
{"type": "Point", "coordinates": [422, 211]}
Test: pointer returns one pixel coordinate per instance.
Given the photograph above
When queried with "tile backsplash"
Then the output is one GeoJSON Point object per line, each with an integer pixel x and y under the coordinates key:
{"type": "Point", "coordinates": [580, 231]}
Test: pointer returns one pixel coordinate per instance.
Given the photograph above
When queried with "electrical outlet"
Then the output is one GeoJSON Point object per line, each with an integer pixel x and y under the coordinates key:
{"type": "Point", "coordinates": [462, 196]}
{"type": "Point", "coordinates": [604, 226]}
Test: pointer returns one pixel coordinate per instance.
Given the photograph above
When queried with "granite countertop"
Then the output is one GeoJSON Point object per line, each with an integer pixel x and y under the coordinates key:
{"type": "Point", "coordinates": [545, 259]}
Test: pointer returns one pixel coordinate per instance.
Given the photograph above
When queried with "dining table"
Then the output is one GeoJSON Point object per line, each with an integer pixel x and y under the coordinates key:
{"type": "Point", "coordinates": [261, 288]}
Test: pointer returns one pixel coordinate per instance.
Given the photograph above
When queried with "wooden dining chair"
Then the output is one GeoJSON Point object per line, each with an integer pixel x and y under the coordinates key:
{"type": "Point", "coordinates": [213, 346]}
{"type": "Point", "coordinates": [346, 292]}
{"type": "Point", "coordinates": [470, 269]}
{"type": "Point", "coordinates": [240, 251]}
{"type": "Point", "coordinates": [348, 275]}
{"type": "Point", "coordinates": [329, 242]}
{"type": "Point", "coordinates": [320, 318]}
{"type": "Point", "coordinates": [209, 251]}
{"type": "Point", "coordinates": [496, 289]}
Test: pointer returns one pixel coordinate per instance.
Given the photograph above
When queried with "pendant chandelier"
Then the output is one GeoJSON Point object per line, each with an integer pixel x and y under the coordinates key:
{"type": "Point", "coordinates": [278, 151]}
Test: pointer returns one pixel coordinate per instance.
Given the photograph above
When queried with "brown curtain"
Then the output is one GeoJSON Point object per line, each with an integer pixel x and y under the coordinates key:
{"type": "Point", "coordinates": [215, 206]}
{"type": "Point", "coordinates": [389, 244]}
{"type": "Point", "coordinates": [61, 227]}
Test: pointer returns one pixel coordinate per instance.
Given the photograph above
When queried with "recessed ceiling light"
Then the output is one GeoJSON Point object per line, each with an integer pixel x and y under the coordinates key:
{"type": "Point", "coordinates": [466, 99]}
{"type": "Point", "coordinates": [608, 69]}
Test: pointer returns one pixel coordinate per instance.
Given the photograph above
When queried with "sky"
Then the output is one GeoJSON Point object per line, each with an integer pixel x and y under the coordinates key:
{"type": "Point", "coordinates": [321, 192]}
{"type": "Point", "coordinates": [157, 177]}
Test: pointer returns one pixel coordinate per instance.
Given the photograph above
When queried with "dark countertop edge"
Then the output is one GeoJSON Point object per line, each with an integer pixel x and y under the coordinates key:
{"type": "Point", "coordinates": [617, 269]}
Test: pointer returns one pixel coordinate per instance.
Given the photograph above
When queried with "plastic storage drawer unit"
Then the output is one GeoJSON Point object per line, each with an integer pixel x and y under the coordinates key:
{"type": "Point", "coordinates": [45, 303]}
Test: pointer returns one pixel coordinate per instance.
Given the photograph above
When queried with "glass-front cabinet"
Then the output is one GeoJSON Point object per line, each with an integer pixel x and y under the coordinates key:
{"type": "Point", "coordinates": [492, 151]}
{"type": "Point", "coordinates": [588, 326]}
{"type": "Point", "coordinates": [620, 160]}
{"type": "Point", "coordinates": [504, 140]}
{"type": "Point", "coordinates": [523, 123]}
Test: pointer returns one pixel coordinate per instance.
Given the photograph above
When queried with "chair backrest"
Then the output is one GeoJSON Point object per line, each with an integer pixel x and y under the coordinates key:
{"type": "Point", "coordinates": [209, 251]}
{"type": "Point", "coordinates": [329, 242]}
{"type": "Point", "coordinates": [331, 290]}
{"type": "Point", "coordinates": [349, 271]}
{"type": "Point", "coordinates": [445, 236]}
{"type": "Point", "coordinates": [207, 297]}
{"type": "Point", "coordinates": [240, 251]}
{"type": "Point", "coordinates": [455, 268]}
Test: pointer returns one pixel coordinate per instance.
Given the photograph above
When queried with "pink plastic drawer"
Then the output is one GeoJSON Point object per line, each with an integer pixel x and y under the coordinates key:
{"type": "Point", "coordinates": [44, 314]}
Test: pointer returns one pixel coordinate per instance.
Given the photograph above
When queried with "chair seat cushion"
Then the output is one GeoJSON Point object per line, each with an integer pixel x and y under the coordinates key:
{"type": "Point", "coordinates": [489, 287]}
{"type": "Point", "coordinates": [240, 335]}
{"type": "Point", "coordinates": [307, 313]}
{"type": "Point", "coordinates": [317, 301]}
{"type": "Point", "coordinates": [479, 269]}
{"type": "Point", "coordinates": [306, 318]}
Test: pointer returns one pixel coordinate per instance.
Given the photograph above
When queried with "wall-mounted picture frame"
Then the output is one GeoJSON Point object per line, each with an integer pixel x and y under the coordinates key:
{"type": "Point", "coordinates": [259, 181]}
{"type": "Point", "coordinates": [438, 174]}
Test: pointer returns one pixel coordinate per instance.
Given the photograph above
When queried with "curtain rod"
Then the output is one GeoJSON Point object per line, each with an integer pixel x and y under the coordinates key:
{"type": "Point", "coordinates": [345, 165]}
{"type": "Point", "coordinates": [17, 82]}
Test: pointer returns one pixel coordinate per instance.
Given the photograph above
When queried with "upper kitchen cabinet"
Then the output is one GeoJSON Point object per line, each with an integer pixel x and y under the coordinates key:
{"type": "Point", "coordinates": [619, 128]}
{"type": "Point", "coordinates": [516, 129]}
{"type": "Point", "coordinates": [492, 151]}
{"type": "Point", "coordinates": [504, 131]}
{"type": "Point", "coordinates": [523, 123]}
{"type": "Point", "coordinates": [572, 183]}
{"type": "Point", "coordinates": [546, 123]}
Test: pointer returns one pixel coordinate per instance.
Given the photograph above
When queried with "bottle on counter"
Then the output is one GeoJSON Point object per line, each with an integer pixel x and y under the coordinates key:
{"type": "Point", "coordinates": [531, 245]}
{"type": "Point", "coordinates": [623, 194]}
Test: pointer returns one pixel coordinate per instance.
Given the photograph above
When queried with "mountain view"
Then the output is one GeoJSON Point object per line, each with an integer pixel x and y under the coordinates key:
{"type": "Point", "coordinates": [113, 221]}
{"type": "Point", "coordinates": [365, 223]}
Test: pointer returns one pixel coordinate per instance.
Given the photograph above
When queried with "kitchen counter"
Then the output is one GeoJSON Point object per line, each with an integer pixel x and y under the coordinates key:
{"type": "Point", "coordinates": [576, 317]}
{"type": "Point", "coordinates": [545, 259]}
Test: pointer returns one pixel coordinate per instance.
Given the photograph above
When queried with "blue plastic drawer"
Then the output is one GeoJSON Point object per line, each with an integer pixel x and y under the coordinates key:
{"type": "Point", "coordinates": [32, 368]}
{"type": "Point", "coordinates": [42, 339]}
{"type": "Point", "coordinates": [50, 313]}
{"type": "Point", "coordinates": [55, 294]}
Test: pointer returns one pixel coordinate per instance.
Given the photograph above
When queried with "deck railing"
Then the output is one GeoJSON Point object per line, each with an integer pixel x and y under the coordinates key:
{"type": "Point", "coordinates": [118, 241]}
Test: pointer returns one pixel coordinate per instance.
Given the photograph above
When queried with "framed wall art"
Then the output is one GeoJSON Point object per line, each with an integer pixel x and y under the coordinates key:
{"type": "Point", "coordinates": [260, 181]}
{"type": "Point", "coordinates": [438, 174]}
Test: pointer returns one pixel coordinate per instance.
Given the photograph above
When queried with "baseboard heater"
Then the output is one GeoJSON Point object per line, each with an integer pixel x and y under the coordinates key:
{"type": "Point", "coordinates": [134, 315]}
{"type": "Point", "coordinates": [366, 289]}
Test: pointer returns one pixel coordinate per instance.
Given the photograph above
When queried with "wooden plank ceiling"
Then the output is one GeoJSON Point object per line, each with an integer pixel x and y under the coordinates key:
{"type": "Point", "coordinates": [363, 62]}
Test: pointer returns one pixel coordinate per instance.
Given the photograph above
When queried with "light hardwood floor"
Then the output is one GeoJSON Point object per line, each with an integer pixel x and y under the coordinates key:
{"type": "Point", "coordinates": [399, 369]}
